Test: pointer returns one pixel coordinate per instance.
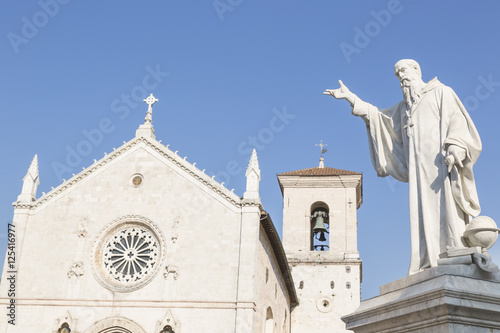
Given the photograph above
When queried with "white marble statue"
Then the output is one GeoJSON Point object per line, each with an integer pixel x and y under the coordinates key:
{"type": "Point", "coordinates": [429, 141]}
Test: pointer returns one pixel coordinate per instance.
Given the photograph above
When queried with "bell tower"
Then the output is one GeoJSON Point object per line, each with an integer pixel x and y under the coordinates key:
{"type": "Point", "coordinates": [320, 241]}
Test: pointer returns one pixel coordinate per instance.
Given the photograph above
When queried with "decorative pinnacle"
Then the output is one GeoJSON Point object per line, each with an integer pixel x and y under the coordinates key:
{"type": "Point", "coordinates": [253, 164]}
{"type": "Point", "coordinates": [149, 115]}
{"type": "Point", "coordinates": [253, 179]}
{"type": "Point", "coordinates": [30, 183]}
{"type": "Point", "coordinates": [33, 169]}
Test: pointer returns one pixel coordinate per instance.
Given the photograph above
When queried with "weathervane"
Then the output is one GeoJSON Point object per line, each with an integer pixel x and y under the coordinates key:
{"type": "Point", "coordinates": [323, 150]}
{"type": "Point", "coordinates": [150, 101]}
{"type": "Point", "coordinates": [321, 146]}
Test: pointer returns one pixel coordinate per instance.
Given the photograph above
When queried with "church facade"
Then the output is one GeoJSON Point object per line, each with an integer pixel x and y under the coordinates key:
{"type": "Point", "coordinates": [144, 241]}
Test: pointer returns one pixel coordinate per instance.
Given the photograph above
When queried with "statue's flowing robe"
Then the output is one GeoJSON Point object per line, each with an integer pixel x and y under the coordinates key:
{"type": "Point", "coordinates": [411, 146]}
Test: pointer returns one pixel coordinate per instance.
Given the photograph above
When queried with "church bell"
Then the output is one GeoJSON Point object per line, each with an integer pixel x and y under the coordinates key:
{"type": "Point", "coordinates": [322, 237]}
{"type": "Point", "coordinates": [319, 225]}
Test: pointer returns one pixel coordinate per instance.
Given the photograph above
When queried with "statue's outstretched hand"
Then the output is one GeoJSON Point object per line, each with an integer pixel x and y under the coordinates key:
{"type": "Point", "coordinates": [341, 93]}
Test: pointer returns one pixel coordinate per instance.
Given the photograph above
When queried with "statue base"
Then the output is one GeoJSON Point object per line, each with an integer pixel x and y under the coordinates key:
{"type": "Point", "coordinates": [450, 298]}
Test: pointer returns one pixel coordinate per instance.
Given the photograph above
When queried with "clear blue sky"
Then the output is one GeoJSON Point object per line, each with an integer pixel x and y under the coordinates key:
{"type": "Point", "coordinates": [231, 70]}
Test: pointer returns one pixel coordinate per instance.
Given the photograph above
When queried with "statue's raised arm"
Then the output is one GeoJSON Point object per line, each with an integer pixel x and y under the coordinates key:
{"type": "Point", "coordinates": [342, 93]}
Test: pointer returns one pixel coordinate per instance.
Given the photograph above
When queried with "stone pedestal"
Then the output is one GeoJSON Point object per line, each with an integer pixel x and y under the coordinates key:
{"type": "Point", "coordinates": [452, 298]}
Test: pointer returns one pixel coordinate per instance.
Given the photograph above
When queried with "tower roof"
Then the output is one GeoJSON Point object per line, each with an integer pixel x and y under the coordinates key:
{"type": "Point", "coordinates": [318, 171]}
{"type": "Point", "coordinates": [322, 176]}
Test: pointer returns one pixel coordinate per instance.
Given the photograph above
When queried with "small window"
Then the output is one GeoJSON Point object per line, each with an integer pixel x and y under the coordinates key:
{"type": "Point", "coordinates": [269, 321]}
{"type": "Point", "coordinates": [332, 284]}
{"type": "Point", "coordinates": [348, 285]}
{"type": "Point", "coordinates": [301, 285]}
{"type": "Point", "coordinates": [136, 180]}
{"type": "Point", "coordinates": [348, 269]}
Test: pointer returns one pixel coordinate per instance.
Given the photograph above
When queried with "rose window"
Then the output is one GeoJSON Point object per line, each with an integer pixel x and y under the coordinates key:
{"type": "Point", "coordinates": [130, 254]}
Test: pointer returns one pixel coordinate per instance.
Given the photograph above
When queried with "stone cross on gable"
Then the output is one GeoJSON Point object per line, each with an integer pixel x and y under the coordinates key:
{"type": "Point", "coordinates": [150, 100]}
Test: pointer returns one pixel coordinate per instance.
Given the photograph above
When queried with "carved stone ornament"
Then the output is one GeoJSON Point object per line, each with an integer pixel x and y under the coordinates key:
{"type": "Point", "coordinates": [174, 229]}
{"type": "Point", "coordinates": [128, 254]}
{"type": "Point", "coordinates": [82, 228]}
{"type": "Point", "coordinates": [76, 270]}
{"type": "Point", "coordinates": [168, 324]}
{"type": "Point", "coordinates": [170, 270]}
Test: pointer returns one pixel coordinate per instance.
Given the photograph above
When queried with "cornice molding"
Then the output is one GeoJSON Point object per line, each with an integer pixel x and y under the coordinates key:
{"type": "Point", "coordinates": [331, 181]}
{"type": "Point", "coordinates": [320, 181]}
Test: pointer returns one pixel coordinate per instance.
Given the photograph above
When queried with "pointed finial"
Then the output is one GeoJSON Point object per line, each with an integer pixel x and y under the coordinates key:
{"type": "Point", "coordinates": [323, 150]}
{"type": "Point", "coordinates": [321, 163]}
{"type": "Point", "coordinates": [149, 115]}
{"type": "Point", "coordinates": [30, 182]}
{"type": "Point", "coordinates": [253, 164]}
{"type": "Point", "coordinates": [33, 169]}
{"type": "Point", "coordinates": [253, 179]}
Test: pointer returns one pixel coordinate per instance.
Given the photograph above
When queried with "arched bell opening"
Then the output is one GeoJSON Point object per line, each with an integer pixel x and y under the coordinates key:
{"type": "Point", "coordinates": [320, 227]}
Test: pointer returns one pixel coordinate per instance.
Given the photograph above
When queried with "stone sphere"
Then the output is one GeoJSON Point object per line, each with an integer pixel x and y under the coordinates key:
{"type": "Point", "coordinates": [482, 231]}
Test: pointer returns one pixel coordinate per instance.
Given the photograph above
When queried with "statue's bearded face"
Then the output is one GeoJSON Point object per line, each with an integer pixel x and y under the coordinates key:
{"type": "Point", "coordinates": [406, 73]}
{"type": "Point", "coordinates": [410, 79]}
